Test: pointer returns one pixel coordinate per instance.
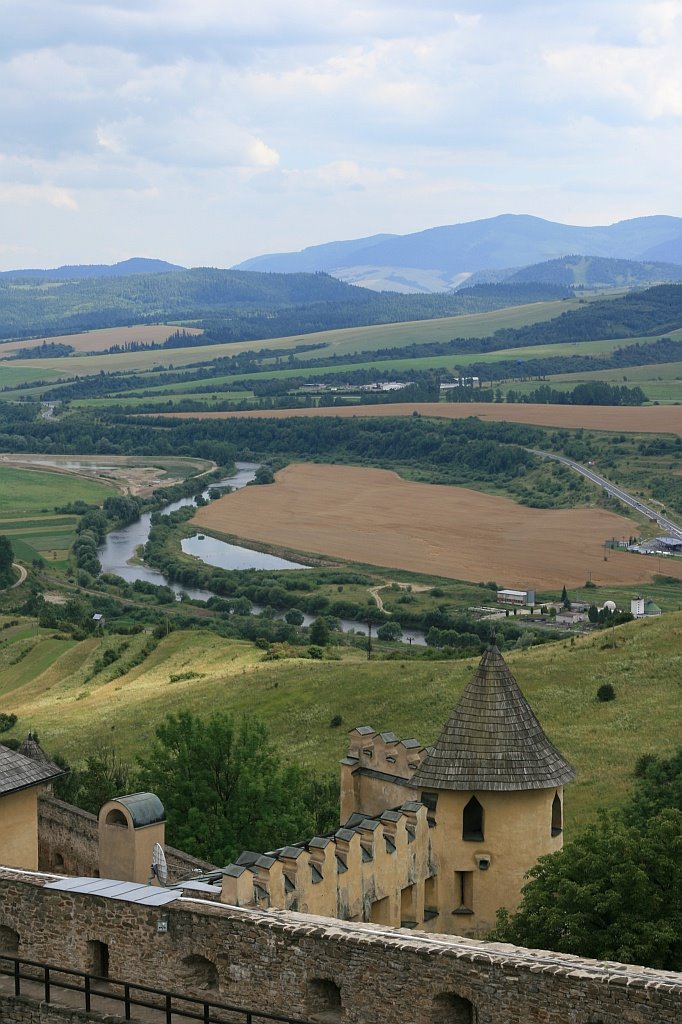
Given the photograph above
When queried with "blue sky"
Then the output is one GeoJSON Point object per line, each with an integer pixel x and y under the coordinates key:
{"type": "Point", "coordinates": [208, 132]}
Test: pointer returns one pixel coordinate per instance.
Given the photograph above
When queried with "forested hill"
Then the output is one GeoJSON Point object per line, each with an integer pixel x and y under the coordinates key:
{"type": "Point", "coordinates": [238, 305]}
{"type": "Point", "coordinates": [655, 311]}
{"type": "Point", "coordinates": [597, 272]}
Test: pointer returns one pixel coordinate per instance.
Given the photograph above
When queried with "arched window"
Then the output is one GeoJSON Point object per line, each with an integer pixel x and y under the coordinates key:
{"type": "Point", "coordinates": [116, 817]}
{"type": "Point", "coordinates": [324, 1001]}
{"type": "Point", "coordinates": [98, 959]}
{"type": "Point", "coordinates": [472, 821]}
{"type": "Point", "coordinates": [9, 940]}
{"type": "Point", "coordinates": [198, 972]}
{"type": "Point", "coordinates": [449, 1008]}
{"type": "Point", "coordinates": [557, 816]}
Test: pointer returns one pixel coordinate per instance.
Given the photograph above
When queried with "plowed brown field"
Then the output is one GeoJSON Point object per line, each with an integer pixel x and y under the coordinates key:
{"type": "Point", "coordinates": [657, 419]}
{"type": "Point", "coordinates": [101, 340]}
{"type": "Point", "coordinates": [375, 517]}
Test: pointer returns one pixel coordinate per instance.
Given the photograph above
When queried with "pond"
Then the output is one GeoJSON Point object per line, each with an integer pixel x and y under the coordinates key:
{"type": "Point", "coordinates": [121, 546]}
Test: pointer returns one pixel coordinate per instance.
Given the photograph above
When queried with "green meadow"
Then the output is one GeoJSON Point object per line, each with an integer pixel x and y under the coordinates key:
{"type": "Point", "coordinates": [77, 710]}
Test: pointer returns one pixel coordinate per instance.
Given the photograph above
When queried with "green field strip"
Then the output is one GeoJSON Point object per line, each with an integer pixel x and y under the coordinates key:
{"type": "Point", "coordinates": [48, 541]}
{"type": "Point", "coordinates": [30, 490]}
{"type": "Point", "coordinates": [11, 375]}
{"type": "Point", "coordinates": [390, 368]}
{"type": "Point", "coordinates": [46, 652]}
{"type": "Point", "coordinates": [16, 523]}
{"type": "Point", "coordinates": [341, 340]}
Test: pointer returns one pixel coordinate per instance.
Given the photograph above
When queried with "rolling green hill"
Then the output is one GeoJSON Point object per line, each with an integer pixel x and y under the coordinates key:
{"type": "Point", "coordinates": [77, 712]}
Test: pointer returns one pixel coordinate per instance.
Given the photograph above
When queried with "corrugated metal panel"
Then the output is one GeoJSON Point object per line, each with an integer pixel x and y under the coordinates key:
{"type": "Point", "coordinates": [115, 889]}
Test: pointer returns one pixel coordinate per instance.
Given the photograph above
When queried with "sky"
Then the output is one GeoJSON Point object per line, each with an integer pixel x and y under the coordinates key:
{"type": "Point", "coordinates": [210, 131]}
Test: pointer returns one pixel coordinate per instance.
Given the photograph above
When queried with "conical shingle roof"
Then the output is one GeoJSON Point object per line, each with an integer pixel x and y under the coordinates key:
{"type": "Point", "coordinates": [492, 740]}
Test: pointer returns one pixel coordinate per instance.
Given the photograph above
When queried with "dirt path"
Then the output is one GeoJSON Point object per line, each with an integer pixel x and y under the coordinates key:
{"type": "Point", "coordinates": [23, 573]}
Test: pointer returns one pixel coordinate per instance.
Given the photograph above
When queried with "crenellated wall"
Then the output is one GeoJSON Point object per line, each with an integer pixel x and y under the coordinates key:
{"type": "Point", "coordinates": [374, 869]}
{"type": "Point", "coordinates": [351, 973]}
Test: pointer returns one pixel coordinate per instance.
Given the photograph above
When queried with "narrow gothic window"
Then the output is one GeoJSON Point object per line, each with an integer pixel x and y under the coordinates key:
{"type": "Point", "coordinates": [557, 824]}
{"type": "Point", "coordinates": [472, 821]}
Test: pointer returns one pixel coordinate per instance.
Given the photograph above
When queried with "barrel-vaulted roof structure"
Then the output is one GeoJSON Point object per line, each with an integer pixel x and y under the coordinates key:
{"type": "Point", "coordinates": [492, 740]}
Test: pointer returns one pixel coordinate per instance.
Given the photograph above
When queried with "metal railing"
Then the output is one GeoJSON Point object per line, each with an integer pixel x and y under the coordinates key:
{"type": "Point", "coordinates": [170, 1005]}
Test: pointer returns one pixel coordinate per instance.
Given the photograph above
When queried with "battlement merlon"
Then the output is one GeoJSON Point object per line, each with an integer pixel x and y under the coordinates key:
{"type": "Point", "coordinates": [376, 771]}
{"type": "Point", "coordinates": [371, 869]}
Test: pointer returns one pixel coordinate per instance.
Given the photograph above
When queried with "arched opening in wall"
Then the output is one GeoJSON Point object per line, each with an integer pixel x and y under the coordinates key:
{"type": "Point", "coordinates": [98, 959]}
{"type": "Point", "coordinates": [324, 1001]}
{"type": "Point", "coordinates": [472, 821]}
{"type": "Point", "coordinates": [58, 863]}
{"type": "Point", "coordinates": [430, 898]}
{"type": "Point", "coordinates": [9, 940]}
{"type": "Point", "coordinates": [557, 816]}
{"type": "Point", "coordinates": [198, 972]}
{"type": "Point", "coordinates": [116, 817]}
{"type": "Point", "coordinates": [449, 1008]}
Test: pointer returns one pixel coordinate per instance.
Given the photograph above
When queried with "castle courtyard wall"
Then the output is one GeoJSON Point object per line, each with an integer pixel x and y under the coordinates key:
{"type": "Point", "coordinates": [270, 960]}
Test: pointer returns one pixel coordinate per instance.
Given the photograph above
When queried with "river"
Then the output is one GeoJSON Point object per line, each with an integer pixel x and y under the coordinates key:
{"type": "Point", "coordinates": [121, 546]}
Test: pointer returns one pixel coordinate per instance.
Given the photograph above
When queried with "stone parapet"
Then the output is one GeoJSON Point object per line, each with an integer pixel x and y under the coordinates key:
{"type": "Point", "coordinates": [368, 974]}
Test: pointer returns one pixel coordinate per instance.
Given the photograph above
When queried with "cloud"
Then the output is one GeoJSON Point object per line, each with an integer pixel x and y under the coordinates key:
{"type": "Point", "coordinates": [317, 119]}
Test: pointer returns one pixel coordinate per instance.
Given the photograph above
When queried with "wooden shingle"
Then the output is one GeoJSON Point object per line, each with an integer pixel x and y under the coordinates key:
{"type": "Point", "coordinates": [492, 740]}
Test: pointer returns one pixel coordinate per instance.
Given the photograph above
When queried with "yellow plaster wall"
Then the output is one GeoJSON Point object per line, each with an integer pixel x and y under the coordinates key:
{"type": "Point", "coordinates": [517, 829]}
{"type": "Point", "coordinates": [19, 829]}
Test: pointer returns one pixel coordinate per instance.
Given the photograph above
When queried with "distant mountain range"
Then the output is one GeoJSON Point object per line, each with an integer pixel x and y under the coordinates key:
{"type": "Point", "coordinates": [514, 249]}
{"type": "Point", "coordinates": [443, 258]}
{"type": "Point", "coordinates": [125, 268]}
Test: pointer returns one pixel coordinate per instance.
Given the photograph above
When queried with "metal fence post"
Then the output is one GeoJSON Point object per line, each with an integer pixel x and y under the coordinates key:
{"type": "Point", "coordinates": [17, 978]}
{"type": "Point", "coordinates": [168, 1009]}
{"type": "Point", "coordinates": [126, 1000]}
{"type": "Point", "coordinates": [47, 984]}
{"type": "Point", "coordinates": [87, 993]}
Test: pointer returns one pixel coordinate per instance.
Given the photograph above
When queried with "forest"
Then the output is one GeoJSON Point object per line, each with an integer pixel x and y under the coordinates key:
{"type": "Point", "coordinates": [234, 305]}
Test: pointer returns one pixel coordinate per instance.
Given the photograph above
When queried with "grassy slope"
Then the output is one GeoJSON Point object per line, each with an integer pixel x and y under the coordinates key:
{"type": "Point", "coordinates": [351, 339]}
{"type": "Point", "coordinates": [299, 698]}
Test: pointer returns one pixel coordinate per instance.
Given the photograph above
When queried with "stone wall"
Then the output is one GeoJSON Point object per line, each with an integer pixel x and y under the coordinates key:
{"type": "Point", "coordinates": [277, 959]}
{"type": "Point", "coordinates": [68, 843]}
{"type": "Point", "coordinates": [29, 1011]}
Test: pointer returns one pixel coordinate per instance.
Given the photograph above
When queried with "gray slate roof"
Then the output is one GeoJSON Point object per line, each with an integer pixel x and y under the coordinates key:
{"type": "Point", "coordinates": [492, 740]}
{"type": "Point", "coordinates": [18, 772]}
{"type": "Point", "coordinates": [145, 808]}
{"type": "Point", "coordinates": [31, 748]}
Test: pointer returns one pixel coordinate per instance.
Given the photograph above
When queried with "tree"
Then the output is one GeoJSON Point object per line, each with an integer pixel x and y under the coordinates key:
{"type": "Point", "coordinates": [294, 617]}
{"type": "Point", "coordinates": [565, 599]}
{"type": "Point", "coordinates": [6, 560]}
{"type": "Point", "coordinates": [614, 893]}
{"type": "Point", "coordinates": [391, 630]}
{"type": "Point", "coordinates": [658, 784]}
{"type": "Point", "coordinates": [225, 790]}
{"type": "Point", "coordinates": [319, 633]}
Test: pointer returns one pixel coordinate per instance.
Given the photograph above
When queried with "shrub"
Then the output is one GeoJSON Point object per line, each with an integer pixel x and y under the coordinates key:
{"type": "Point", "coordinates": [606, 692]}
{"type": "Point", "coordinates": [7, 722]}
{"type": "Point", "coordinates": [336, 721]}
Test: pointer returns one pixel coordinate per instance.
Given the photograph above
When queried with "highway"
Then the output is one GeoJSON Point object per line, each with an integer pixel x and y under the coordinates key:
{"type": "Point", "coordinates": [671, 529]}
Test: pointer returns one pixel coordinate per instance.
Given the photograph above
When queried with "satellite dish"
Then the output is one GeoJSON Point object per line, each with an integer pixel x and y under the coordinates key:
{"type": "Point", "coordinates": [159, 866]}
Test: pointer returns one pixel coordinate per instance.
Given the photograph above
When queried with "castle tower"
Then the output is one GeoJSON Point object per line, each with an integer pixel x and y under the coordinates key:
{"type": "Point", "coordinates": [129, 828]}
{"type": "Point", "coordinates": [493, 787]}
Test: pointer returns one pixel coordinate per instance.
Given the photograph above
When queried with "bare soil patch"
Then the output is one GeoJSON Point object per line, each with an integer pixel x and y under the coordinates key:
{"type": "Point", "coordinates": [100, 341]}
{"type": "Point", "coordinates": [375, 517]}
{"type": "Point", "coordinates": [656, 419]}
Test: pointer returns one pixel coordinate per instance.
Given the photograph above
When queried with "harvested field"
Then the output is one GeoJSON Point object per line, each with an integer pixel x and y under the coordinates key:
{"type": "Point", "coordinates": [649, 419]}
{"type": "Point", "coordinates": [100, 341]}
{"type": "Point", "coordinates": [374, 517]}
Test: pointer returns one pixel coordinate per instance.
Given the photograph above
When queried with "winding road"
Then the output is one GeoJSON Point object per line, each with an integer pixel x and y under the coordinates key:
{"type": "Point", "coordinates": [673, 529]}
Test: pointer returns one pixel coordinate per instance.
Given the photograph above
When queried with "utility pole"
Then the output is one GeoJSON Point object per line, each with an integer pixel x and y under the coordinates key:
{"type": "Point", "coordinates": [369, 641]}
